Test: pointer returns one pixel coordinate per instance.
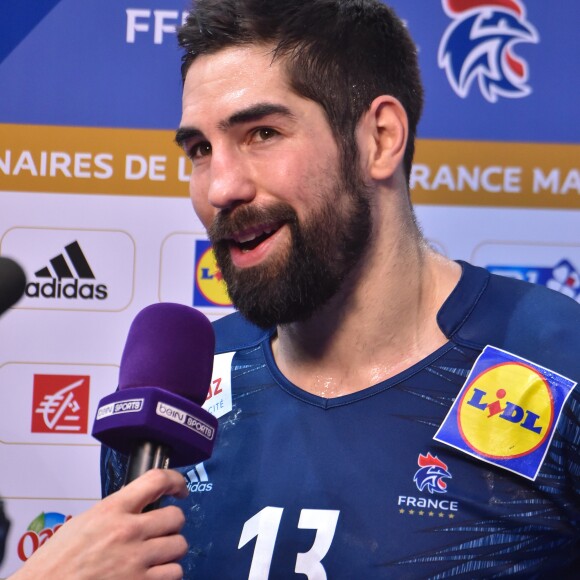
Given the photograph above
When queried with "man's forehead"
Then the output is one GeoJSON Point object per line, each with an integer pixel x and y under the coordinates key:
{"type": "Point", "coordinates": [234, 79]}
{"type": "Point", "coordinates": [254, 58]}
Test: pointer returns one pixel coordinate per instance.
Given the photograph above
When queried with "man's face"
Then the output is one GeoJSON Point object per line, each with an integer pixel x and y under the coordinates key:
{"type": "Point", "coordinates": [266, 183]}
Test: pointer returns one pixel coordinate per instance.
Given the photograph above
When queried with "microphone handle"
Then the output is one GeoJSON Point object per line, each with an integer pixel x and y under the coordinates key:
{"type": "Point", "coordinates": [147, 455]}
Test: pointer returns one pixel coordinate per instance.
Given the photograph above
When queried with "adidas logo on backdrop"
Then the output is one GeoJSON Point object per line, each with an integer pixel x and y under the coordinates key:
{"type": "Point", "coordinates": [69, 276]}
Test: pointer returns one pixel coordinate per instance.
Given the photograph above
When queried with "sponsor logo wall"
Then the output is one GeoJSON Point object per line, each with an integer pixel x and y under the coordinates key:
{"type": "Point", "coordinates": [94, 206]}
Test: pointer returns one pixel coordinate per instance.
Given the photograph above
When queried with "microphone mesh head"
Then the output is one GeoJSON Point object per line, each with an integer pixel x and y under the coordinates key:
{"type": "Point", "coordinates": [170, 346]}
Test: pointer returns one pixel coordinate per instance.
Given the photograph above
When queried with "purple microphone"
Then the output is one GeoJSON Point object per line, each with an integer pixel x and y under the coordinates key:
{"type": "Point", "coordinates": [155, 416]}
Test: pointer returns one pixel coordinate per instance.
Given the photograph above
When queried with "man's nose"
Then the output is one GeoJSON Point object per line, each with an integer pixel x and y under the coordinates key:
{"type": "Point", "coordinates": [231, 181]}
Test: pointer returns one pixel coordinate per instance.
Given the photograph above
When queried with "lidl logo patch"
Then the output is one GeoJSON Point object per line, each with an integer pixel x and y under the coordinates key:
{"type": "Point", "coordinates": [506, 412]}
{"type": "Point", "coordinates": [210, 288]}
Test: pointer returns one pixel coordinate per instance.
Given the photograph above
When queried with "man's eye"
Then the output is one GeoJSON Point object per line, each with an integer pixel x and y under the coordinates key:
{"type": "Point", "coordinates": [265, 133]}
{"type": "Point", "coordinates": [199, 150]}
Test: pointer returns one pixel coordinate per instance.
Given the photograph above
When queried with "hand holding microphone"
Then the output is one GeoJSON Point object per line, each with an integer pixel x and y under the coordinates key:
{"type": "Point", "coordinates": [114, 540]}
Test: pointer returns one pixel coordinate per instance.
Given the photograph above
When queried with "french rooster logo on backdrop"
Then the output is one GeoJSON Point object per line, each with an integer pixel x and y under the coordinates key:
{"type": "Point", "coordinates": [479, 46]}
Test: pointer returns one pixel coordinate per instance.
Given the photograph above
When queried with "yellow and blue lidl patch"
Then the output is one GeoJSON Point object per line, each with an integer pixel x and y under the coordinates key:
{"type": "Point", "coordinates": [506, 412]}
{"type": "Point", "coordinates": [209, 289]}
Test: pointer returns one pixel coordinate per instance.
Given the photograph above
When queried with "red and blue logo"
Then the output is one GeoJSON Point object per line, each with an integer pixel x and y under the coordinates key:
{"type": "Point", "coordinates": [431, 474]}
{"type": "Point", "coordinates": [479, 47]}
{"type": "Point", "coordinates": [506, 412]}
{"type": "Point", "coordinates": [563, 277]}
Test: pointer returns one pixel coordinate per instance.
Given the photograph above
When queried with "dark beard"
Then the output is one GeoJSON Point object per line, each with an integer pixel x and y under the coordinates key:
{"type": "Point", "coordinates": [291, 286]}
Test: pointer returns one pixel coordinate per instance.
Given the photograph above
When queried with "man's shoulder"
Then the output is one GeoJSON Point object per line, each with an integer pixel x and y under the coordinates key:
{"type": "Point", "coordinates": [529, 320]}
{"type": "Point", "coordinates": [234, 332]}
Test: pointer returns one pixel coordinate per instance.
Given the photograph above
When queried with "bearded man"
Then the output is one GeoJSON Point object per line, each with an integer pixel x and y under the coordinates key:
{"type": "Point", "coordinates": [393, 413]}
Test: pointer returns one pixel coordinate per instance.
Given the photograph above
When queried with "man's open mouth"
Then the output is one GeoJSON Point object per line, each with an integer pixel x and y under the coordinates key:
{"type": "Point", "coordinates": [251, 238]}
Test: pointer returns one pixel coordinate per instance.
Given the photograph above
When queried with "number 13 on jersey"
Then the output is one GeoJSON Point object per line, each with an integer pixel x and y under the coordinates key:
{"type": "Point", "coordinates": [264, 527]}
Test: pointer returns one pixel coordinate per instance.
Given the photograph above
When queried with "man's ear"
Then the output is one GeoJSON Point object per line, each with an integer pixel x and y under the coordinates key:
{"type": "Point", "coordinates": [382, 133]}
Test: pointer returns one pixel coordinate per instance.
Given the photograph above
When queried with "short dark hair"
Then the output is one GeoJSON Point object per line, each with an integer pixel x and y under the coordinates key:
{"type": "Point", "coordinates": [341, 54]}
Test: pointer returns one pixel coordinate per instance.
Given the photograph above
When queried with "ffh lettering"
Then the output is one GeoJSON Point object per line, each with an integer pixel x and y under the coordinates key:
{"type": "Point", "coordinates": [164, 23]}
{"type": "Point", "coordinates": [511, 412]}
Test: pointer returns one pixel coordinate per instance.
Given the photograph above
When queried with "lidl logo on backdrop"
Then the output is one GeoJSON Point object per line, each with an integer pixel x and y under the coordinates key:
{"type": "Point", "coordinates": [209, 288]}
{"type": "Point", "coordinates": [506, 412]}
{"type": "Point", "coordinates": [479, 47]}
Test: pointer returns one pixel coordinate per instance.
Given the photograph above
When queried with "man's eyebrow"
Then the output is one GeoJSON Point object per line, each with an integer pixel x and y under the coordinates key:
{"type": "Point", "coordinates": [185, 133]}
{"type": "Point", "coordinates": [255, 113]}
{"type": "Point", "coordinates": [248, 115]}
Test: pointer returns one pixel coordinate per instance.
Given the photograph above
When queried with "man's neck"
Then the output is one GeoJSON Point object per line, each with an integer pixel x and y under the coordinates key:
{"type": "Point", "coordinates": [382, 321]}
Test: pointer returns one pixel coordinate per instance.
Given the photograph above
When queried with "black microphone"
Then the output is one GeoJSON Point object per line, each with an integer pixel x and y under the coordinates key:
{"type": "Point", "coordinates": [4, 528]}
{"type": "Point", "coordinates": [155, 416]}
{"type": "Point", "coordinates": [12, 283]}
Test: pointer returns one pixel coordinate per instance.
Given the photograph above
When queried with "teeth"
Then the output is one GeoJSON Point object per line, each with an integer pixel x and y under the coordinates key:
{"type": "Point", "coordinates": [241, 239]}
{"type": "Point", "coordinates": [247, 238]}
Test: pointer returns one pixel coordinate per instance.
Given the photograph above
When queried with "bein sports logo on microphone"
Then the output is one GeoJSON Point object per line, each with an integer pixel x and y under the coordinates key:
{"type": "Point", "coordinates": [178, 416]}
{"type": "Point", "coordinates": [127, 406]}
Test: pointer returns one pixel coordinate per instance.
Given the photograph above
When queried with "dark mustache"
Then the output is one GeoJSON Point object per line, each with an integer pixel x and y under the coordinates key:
{"type": "Point", "coordinates": [229, 222]}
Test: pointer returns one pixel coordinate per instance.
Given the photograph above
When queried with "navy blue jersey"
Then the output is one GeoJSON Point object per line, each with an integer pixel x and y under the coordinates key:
{"type": "Point", "coordinates": [358, 487]}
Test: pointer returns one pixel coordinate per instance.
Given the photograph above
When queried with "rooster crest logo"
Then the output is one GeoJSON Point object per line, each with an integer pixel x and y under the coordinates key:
{"type": "Point", "coordinates": [479, 44]}
{"type": "Point", "coordinates": [431, 473]}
